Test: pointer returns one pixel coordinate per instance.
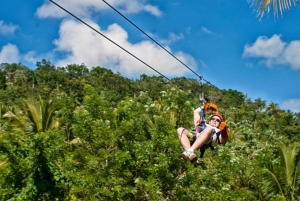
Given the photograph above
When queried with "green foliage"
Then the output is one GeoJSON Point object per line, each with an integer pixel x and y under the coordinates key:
{"type": "Point", "coordinates": [281, 174]}
{"type": "Point", "coordinates": [70, 133]}
{"type": "Point", "coordinates": [30, 171]}
{"type": "Point", "coordinates": [2, 80]}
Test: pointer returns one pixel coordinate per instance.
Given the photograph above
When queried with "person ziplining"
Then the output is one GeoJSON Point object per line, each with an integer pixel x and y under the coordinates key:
{"type": "Point", "coordinates": [204, 135]}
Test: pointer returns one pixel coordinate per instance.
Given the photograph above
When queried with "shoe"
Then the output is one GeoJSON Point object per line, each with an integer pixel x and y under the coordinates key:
{"type": "Point", "coordinates": [189, 156]}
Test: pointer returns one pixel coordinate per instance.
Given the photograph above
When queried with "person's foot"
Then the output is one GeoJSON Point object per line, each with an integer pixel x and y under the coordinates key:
{"type": "Point", "coordinates": [189, 156]}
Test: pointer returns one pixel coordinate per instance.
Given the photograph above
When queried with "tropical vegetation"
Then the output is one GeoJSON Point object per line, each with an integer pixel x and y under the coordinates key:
{"type": "Point", "coordinates": [73, 133]}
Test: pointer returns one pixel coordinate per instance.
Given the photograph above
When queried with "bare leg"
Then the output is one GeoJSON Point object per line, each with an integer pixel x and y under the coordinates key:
{"type": "Point", "coordinates": [203, 138]}
{"type": "Point", "coordinates": [183, 138]}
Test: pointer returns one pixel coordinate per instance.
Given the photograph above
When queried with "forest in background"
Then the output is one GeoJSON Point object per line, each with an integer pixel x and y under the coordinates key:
{"type": "Point", "coordinates": [73, 133]}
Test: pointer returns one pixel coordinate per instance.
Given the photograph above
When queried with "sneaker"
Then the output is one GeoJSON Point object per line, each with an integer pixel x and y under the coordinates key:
{"type": "Point", "coordinates": [189, 156]}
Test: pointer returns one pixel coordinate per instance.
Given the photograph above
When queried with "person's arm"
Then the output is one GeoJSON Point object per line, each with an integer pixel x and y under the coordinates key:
{"type": "Point", "coordinates": [197, 116]}
{"type": "Point", "coordinates": [224, 139]}
{"type": "Point", "coordinates": [224, 133]}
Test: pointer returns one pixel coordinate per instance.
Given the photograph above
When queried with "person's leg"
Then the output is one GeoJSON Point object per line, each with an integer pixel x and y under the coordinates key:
{"type": "Point", "coordinates": [183, 136]}
{"type": "Point", "coordinates": [204, 137]}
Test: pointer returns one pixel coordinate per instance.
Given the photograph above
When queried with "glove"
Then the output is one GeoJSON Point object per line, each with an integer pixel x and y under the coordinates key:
{"type": "Point", "coordinates": [210, 106]}
{"type": "Point", "coordinates": [225, 133]}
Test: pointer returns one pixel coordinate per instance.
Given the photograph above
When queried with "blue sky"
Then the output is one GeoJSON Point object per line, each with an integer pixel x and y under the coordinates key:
{"type": "Point", "coordinates": [222, 40]}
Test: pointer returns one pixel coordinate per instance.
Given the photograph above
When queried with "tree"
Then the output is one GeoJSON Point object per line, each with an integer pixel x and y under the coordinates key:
{"type": "Point", "coordinates": [279, 6]}
{"type": "Point", "coordinates": [42, 114]}
{"type": "Point", "coordinates": [2, 80]}
{"type": "Point", "coordinates": [282, 175]}
{"type": "Point", "coordinates": [117, 139]}
{"type": "Point", "coordinates": [39, 115]}
{"type": "Point", "coordinates": [47, 77]}
{"type": "Point", "coordinates": [30, 150]}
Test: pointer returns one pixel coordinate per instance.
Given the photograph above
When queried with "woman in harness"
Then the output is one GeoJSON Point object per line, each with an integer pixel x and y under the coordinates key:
{"type": "Point", "coordinates": [204, 135]}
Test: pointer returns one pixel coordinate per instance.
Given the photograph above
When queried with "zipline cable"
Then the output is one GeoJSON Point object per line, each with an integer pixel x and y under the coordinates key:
{"type": "Point", "coordinates": [200, 76]}
{"type": "Point", "coordinates": [201, 97]}
{"type": "Point", "coordinates": [115, 44]}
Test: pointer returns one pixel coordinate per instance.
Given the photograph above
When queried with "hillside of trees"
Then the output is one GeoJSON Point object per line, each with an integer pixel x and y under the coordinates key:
{"type": "Point", "coordinates": [70, 133]}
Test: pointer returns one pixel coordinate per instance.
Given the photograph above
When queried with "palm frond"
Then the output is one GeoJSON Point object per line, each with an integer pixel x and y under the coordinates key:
{"type": "Point", "coordinates": [296, 182]}
{"type": "Point", "coordinates": [41, 113]}
{"type": "Point", "coordinates": [283, 174]}
{"type": "Point", "coordinates": [278, 6]}
{"type": "Point", "coordinates": [16, 120]}
{"type": "Point", "coordinates": [34, 114]}
{"type": "Point", "coordinates": [288, 161]}
{"type": "Point", "coordinates": [3, 163]}
{"type": "Point", "coordinates": [48, 109]}
{"type": "Point", "coordinates": [272, 183]}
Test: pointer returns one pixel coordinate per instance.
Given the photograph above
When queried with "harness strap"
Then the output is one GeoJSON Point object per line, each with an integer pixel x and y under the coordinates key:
{"type": "Point", "coordinates": [218, 137]}
{"type": "Point", "coordinates": [204, 147]}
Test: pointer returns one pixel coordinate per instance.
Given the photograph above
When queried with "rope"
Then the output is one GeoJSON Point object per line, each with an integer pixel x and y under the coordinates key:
{"type": "Point", "coordinates": [201, 97]}
{"type": "Point", "coordinates": [151, 39]}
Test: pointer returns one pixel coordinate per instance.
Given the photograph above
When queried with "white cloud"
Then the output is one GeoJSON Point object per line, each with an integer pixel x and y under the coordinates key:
{"type": "Point", "coordinates": [9, 54]}
{"type": "Point", "coordinates": [51, 10]}
{"type": "Point", "coordinates": [175, 37]}
{"type": "Point", "coordinates": [274, 51]}
{"type": "Point", "coordinates": [291, 55]}
{"type": "Point", "coordinates": [264, 47]}
{"type": "Point", "coordinates": [171, 39]}
{"type": "Point", "coordinates": [80, 45]}
{"type": "Point", "coordinates": [291, 104]}
{"type": "Point", "coordinates": [188, 30]}
{"type": "Point", "coordinates": [87, 7]}
{"type": "Point", "coordinates": [206, 30]}
{"type": "Point", "coordinates": [7, 29]}
{"type": "Point", "coordinates": [30, 57]}
{"type": "Point", "coordinates": [249, 65]}
{"type": "Point", "coordinates": [154, 10]}
{"type": "Point", "coordinates": [202, 63]}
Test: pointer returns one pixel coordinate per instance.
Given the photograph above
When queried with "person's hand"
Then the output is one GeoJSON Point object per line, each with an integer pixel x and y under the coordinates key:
{"type": "Point", "coordinates": [210, 106]}
{"type": "Point", "coordinates": [225, 133]}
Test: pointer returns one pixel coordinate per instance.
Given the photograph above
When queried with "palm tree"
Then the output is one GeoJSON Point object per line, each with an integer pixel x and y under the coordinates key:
{"type": "Point", "coordinates": [16, 120]}
{"type": "Point", "coordinates": [40, 115]}
{"type": "Point", "coordinates": [279, 6]}
{"type": "Point", "coordinates": [260, 104]}
{"type": "Point", "coordinates": [283, 177]}
{"type": "Point", "coordinates": [29, 151]}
